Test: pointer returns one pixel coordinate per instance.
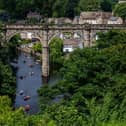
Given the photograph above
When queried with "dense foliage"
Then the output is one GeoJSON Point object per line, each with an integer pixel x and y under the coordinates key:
{"type": "Point", "coordinates": [37, 47]}
{"type": "Point", "coordinates": [7, 78]}
{"type": "Point", "coordinates": [7, 81]}
{"type": "Point", "coordinates": [12, 45]}
{"type": "Point", "coordinates": [56, 53]}
{"type": "Point", "coordinates": [9, 117]}
{"type": "Point", "coordinates": [92, 91]}
{"type": "Point", "coordinates": [110, 38]}
{"type": "Point", "coordinates": [56, 8]}
{"type": "Point", "coordinates": [8, 53]}
{"type": "Point", "coordinates": [120, 10]}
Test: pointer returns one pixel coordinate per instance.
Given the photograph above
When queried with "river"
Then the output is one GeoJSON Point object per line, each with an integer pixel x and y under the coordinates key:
{"type": "Point", "coordinates": [29, 84]}
{"type": "Point", "coordinates": [29, 80]}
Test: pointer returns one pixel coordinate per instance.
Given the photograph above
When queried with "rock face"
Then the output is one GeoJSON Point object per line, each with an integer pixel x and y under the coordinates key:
{"type": "Point", "coordinates": [21, 92]}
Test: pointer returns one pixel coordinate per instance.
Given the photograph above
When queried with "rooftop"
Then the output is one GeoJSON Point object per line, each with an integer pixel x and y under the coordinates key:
{"type": "Point", "coordinates": [71, 42]}
{"type": "Point", "coordinates": [94, 15]}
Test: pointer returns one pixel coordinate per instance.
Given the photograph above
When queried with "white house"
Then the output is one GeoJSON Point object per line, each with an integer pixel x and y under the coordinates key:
{"type": "Point", "coordinates": [70, 44]}
{"type": "Point", "coordinates": [115, 20]}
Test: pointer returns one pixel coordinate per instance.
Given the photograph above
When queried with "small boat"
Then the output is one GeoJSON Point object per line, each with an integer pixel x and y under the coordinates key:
{"type": "Point", "coordinates": [21, 92]}
{"type": "Point", "coordinates": [24, 76]}
{"type": "Point", "coordinates": [36, 63]}
{"type": "Point", "coordinates": [26, 98]}
{"type": "Point", "coordinates": [31, 73]}
{"type": "Point", "coordinates": [31, 65]}
{"type": "Point", "coordinates": [27, 108]}
{"type": "Point", "coordinates": [24, 61]}
{"type": "Point", "coordinates": [38, 60]}
{"type": "Point", "coordinates": [21, 77]}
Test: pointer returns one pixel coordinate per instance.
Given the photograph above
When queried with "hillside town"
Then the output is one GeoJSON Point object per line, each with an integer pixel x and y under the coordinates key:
{"type": "Point", "coordinates": [91, 17]}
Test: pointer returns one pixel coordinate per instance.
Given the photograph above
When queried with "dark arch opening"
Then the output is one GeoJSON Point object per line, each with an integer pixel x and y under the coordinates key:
{"type": "Point", "coordinates": [31, 45]}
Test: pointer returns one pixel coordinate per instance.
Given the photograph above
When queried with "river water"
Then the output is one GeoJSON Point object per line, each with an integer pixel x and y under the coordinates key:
{"type": "Point", "coordinates": [28, 81]}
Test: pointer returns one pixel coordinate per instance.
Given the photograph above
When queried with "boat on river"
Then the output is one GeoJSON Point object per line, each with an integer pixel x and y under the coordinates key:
{"type": "Point", "coordinates": [31, 73]}
{"type": "Point", "coordinates": [31, 65]}
{"type": "Point", "coordinates": [27, 108]}
{"type": "Point", "coordinates": [21, 92]}
{"type": "Point", "coordinates": [21, 77]}
{"type": "Point", "coordinates": [24, 61]}
{"type": "Point", "coordinates": [26, 98]}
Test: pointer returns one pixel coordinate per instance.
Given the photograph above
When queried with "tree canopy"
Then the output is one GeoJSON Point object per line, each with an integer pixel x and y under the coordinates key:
{"type": "Point", "coordinates": [120, 10]}
{"type": "Point", "coordinates": [56, 52]}
{"type": "Point", "coordinates": [54, 8]}
{"type": "Point", "coordinates": [93, 85]}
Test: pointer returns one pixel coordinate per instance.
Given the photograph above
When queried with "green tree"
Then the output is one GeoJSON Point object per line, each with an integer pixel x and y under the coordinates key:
{"type": "Point", "coordinates": [22, 8]}
{"type": "Point", "coordinates": [120, 10]}
{"type": "Point", "coordinates": [37, 47]}
{"type": "Point", "coordinates": [106, 5]}
{"type": "Point", "coordinates": [7, 80]}
{"type": "Point", "coordinates": [56, 52]}
{"type": "Point", "coordinates": [59, 8]}
{"type": "Point", "coordinates": [93, 84]}
{"type": "Point", "coordinates": [45, 7]}
{"type": "Point", "coordinates": [112, 37]}
{"type": "Point", "coordinates": [12, 46]}
{"type": "Point", "coordinates": [90, 5]}
{"type": "Point", "coordinates": [10, 117]}
{"type": "Point", "coordinates": [71, 8]}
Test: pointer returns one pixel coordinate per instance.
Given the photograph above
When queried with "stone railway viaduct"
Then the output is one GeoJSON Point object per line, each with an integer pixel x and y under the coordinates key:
{"type": "Point", "coordinates": [45, 33]}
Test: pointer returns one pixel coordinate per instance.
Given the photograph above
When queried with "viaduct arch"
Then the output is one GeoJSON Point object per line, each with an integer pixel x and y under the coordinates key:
{"type": "Point", "coordinates": [46, 32]}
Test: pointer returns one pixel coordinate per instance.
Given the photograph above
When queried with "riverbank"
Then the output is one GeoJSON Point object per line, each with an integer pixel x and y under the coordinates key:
{"type": "Point", "coordinates": [29, 51]}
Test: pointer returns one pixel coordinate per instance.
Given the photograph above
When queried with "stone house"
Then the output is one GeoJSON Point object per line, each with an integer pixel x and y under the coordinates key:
{"type": "Point", "coordinates": [94, 17]}
{"type": "Point", "coordinates": [70, 44]}
{"type": "Point", "coordinates": [61, 20]}
{"type": "Point", "coordinates": [115, 20]}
